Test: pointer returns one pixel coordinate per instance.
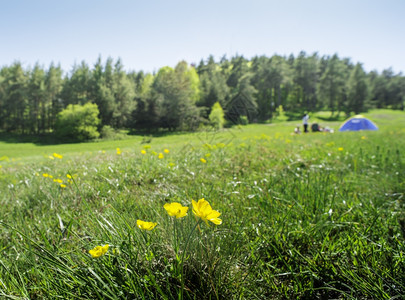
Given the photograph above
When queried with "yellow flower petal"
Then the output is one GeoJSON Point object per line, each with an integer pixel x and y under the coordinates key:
{"type": "Point", "coordinates": [203, 210]}
{"type": "Point", "coordinates": [216, 221]}
{"type": "Point", "coordinates": [99, 251]}
{"type": "Point", "coordinates": [175, 209]}
{"type": "Point", "coordinates": [57, 155]}
{"type": "Point", "coordinates": [145, 225]}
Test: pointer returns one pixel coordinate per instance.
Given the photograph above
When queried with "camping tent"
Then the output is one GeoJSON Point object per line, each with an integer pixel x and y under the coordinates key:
{"type": "Point", "coordinates": [357, 123]}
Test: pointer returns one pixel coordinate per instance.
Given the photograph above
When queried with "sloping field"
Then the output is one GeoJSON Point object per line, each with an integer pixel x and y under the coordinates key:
{"type": "Point", "coordinates": [310, 216]}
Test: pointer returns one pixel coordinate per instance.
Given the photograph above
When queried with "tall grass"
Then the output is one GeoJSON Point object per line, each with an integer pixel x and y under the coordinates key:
{"type": "Point", "coordinates": [304, 216]}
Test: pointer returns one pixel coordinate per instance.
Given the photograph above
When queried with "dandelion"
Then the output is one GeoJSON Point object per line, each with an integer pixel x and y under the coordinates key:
{"type": "Point", "coordinates": [69, 176]}
{"type": "Point", "coordinates": [166, 151]}
{"type": "Point", "coordinates": [160, 155]}
{"type": "Point", "coordinates": [175, 209]}
{"type": "Point", "coordinates": [118, 151]}
{"type": "Point", "coordinates": [63, 186]}
{"type": "Point", "coordinates": [45, 174]}
{"type": "Point", "coordinates": [203, 160]}
{"type": "Point", "coordinates": [56, 155]}
{"type": "Point", "coordinates": [145, 225]}
{"type": "Point", "coordinates": [99, 251]}
{"type": "Point", "coordinates": [203, 210]}
{"type": "Point", "coordinates": [58, 180]}
{"type": "Point", "coordinates": [363, 137]}
{"type": "Point", "coordinates": [340, 149]}
{"type": "Point", "coordinates": [143, 152]}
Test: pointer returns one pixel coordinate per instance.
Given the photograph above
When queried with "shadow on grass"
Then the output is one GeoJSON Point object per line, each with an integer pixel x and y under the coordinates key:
{"type": "Point", "coordinates": [336, 118]}
{"type": "Point", "coordinates": [37, 139]}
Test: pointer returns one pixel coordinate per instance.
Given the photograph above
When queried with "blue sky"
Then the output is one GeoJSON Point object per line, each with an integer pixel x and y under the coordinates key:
{"type": "Point", "coordinates": [147, 35]}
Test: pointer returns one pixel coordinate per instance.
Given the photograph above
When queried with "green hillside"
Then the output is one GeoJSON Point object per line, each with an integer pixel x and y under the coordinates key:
{"type": "Point", "coordinates": [309, 216]}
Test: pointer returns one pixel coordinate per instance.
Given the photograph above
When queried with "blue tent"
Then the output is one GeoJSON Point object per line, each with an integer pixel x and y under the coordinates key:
{"type": "Point", "coordinates": [357, 123]}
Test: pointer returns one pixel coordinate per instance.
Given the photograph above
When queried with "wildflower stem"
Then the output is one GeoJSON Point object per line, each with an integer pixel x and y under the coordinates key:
{"type": "Point", "coordinates": [176, 248]}
{"type": "Point", "coordinates": [145, 236]}
{"type": "Point", "coordinates": [182, 258]}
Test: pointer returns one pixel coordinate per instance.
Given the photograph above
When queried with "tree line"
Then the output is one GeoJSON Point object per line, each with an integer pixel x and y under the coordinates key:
{"type": "Point", "coordinates": [181, 98]}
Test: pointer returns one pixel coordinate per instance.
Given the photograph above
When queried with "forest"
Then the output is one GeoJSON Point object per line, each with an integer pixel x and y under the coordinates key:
{"type": "Point", "coordinates": [181, 98]}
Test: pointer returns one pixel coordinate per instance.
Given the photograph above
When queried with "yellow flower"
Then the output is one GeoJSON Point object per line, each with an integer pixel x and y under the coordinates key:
{"type": "Point", "coordinates": [99, 251]}
{"type": "Point", "coordinates": [363, 137]}
{"type": "Point", "coordinates": [51, 157]}
{"type": "Point", "coordinates": [203, 210]}
{"type": "Point", "coordinates": [145, 225]}
{"type": "Point", "coordinates": [45, 175]}
{"type": "Point", "coordinates": [63, 186]}
{"type": "Point", "coordinates": [175, 209]}
{"type": "Point", "coordinates": [69, 176]}
{"type": "Point", "coordinates": [146, 146]}
{"type": "Point", "coordinates": [166, 151]}
{"type": "Point", "coordinates": [340, 148]}
{"type": "Point", "coordinates": [160, 155]}
{"type": "Point", "coordinates": [143, 152]}
{"type": "Point", "coordinates": [57, 155]}
{"type": "Point", "coordinates": [203, 160]}
{"type": "Point", "coordinates": [118, 151]}
{"type": "Point", "coordinates": [58, 180]}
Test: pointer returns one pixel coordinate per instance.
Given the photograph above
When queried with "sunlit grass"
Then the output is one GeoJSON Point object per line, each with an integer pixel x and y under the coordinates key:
{"type": "Point", "coordinates": [301, 216]}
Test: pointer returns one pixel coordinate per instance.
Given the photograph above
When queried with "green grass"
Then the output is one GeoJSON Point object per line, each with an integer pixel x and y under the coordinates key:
{"type": "Point", "coordinates": [310, 216]}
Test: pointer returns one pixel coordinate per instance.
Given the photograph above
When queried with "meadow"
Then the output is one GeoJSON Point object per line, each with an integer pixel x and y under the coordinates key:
{"type": "Point", "coordinates": [309, 216]}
